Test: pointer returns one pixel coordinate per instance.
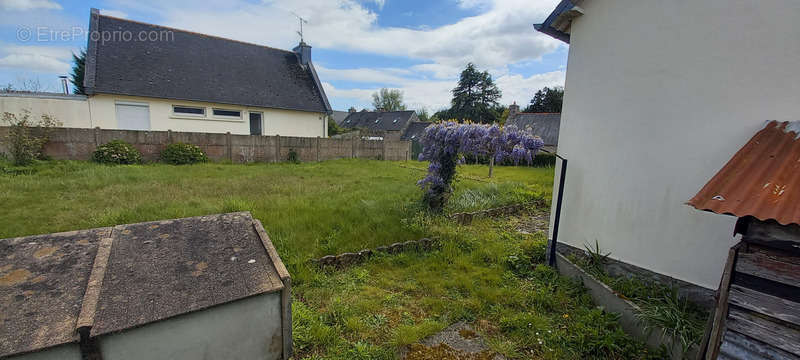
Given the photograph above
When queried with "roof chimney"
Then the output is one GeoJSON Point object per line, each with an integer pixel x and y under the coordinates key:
{"type": "Point", "coordinates": [513, 109]}
{"type": "Point", "coordinates": [303, 51]}
{"type": "Point", "coordinates": [64, 84]}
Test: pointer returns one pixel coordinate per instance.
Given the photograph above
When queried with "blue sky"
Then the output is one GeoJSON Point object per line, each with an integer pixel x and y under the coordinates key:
{"type": "Point", "coordinates": [359, 46]}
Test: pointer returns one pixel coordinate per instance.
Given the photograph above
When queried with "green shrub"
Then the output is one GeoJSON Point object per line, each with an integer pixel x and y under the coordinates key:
{"type": "Point", "coordinates": [117, 152]}
{"type": "Point", "coordinates": [293, 157]}
{"type": "Point", "coordinates": [543, 159]}
{"type": "Point", "coordinates": [182, 153]}
{"type": "Point", "coordinates": [26, 137]}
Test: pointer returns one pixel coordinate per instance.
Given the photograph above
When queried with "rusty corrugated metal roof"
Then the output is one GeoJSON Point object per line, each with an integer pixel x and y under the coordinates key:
{"type": "Point", "coordinates": [761, 180]}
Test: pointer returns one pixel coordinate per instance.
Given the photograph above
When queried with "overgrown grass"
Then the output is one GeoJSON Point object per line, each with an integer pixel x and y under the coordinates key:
{"type": "Point", "coordinates": [487, 273]}
{"type": "Point", "coordinates": [682, 321]}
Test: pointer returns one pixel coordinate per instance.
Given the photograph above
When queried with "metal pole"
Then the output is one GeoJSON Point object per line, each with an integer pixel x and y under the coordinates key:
{"type": "Point", "coordinates": [552, 244]}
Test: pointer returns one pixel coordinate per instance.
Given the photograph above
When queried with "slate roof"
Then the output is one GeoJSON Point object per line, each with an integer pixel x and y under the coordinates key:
{"type": "Point", "coordinates": [761, 180]}
{"type": "Point", "coordinates": [150, 272]}
{"type": "Point", "coordinates": [339, 116]}
{"type": "Point", "coordinates": [415, 130]}
{"type": "Point", "coordinates": [184, 65]}
{"type": "Point", "coordinates": [545, 125]}
{"type": "Point", "coordinates": [380, 120]}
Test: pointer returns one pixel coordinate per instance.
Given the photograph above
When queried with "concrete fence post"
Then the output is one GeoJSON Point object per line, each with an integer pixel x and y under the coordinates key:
{"type": "Point", "coordinates": [97, 136]}
{"type": "Point", "coordinates": [169, 136]}
{"type": "Point", "coordinates": [383, 149]}
{"type": "Point", "coordinates": [229, 145]}
{"type": "Point", "coordinates": [317, 148]}
{"type": "Point", "coordinates": [277, 148]}
{"type": "Point", "coordinates": [353, 152]}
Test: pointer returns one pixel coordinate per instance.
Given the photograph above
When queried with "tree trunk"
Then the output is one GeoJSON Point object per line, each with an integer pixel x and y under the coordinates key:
{"type": "Point", "coordinates": [491, 166]}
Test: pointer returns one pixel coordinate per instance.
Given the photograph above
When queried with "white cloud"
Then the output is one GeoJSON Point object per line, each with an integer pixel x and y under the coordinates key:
{"type": "Point", "coordinates": [54, 59]}
{"type": "Point", "coordinates": [501, 35]}
{"type": "Point", "coordinates": [23, 5]}
{"type": "Point", "coordinates": [433, 94]}
{"type": "Point", "coordinates": [379, 3]}
{"type": "Point", "coordinates": [520, 89]}
{"type": "Point", "coordinates": [114, 13]}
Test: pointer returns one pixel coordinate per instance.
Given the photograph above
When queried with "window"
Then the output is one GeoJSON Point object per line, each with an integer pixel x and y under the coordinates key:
{"type": "Point", "coordinates": [228, 113]}
{"type": "Point", "coordinates": [376, 121]}
{"type": "Point", "coordinates": [188, 110]}
{"type": "Point", "coordinates": [395, 121]}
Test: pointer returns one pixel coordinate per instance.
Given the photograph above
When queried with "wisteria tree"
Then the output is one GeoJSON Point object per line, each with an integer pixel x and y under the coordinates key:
{"type": "Point", "coordinates": [446, 143]}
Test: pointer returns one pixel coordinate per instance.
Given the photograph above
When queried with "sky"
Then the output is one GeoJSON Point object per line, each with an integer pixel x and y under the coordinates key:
{"type": "Point", "coordinates": [358, 46]}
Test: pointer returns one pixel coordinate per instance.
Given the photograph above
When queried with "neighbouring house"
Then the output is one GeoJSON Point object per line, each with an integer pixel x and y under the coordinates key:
{"type": "Point", "coordinates": [206, 287]}
{"type": "Point", "coordinates": [758, 310]}
{"type": "Point", "coordinates": [185, 81]}
{"type": "Point", "coordinates": [414, 133]}
{"type": "Point", "coordinates": [339, 116]}
{"type": "Point", "coordinates": [658, 96]}
{"type": "Point", "coordinates": [389, 124]}
{"type": "Point", "coordinates": [544, 125]}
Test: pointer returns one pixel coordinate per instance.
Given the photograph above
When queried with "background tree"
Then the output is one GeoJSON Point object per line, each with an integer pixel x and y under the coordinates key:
{"type": "Point", "coordinates": [547, 100]}
{"type": "Point", "coordinates": [352, 109]}
{"type": "Point", "coordinates": [78, 70]}
{"type": "Point", "coordinates": [475, 97]}
{"type": "Point", "coordinates": [25, 85]}
{"type": "Point", "coordinates": [422, 114]}
{"type": "Point", "coordinates": [388, 100]}
{"type": "Point", "coordinates": [334, 128]}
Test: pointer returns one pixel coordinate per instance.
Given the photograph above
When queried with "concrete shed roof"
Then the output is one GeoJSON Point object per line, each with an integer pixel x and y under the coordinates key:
{"type": "Point", "coordinates": [42, 282]}
{"type": "Point", "coordinates": [51, 285]}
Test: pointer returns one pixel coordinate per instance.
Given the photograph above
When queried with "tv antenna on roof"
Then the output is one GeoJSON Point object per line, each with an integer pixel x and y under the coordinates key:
{"type": "Point", "coordinates": [301, 24]}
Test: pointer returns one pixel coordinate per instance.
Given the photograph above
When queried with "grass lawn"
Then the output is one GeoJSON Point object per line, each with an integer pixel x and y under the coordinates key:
{"type": "Point", "coordinates": [487, 273]}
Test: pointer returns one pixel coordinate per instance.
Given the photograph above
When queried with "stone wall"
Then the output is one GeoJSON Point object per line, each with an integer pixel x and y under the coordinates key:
{"type": "Point", "coordinates": [78, 144]}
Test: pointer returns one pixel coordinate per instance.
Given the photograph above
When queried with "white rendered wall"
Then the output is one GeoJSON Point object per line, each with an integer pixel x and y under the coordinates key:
{"type": "Point", "coordinates": [659, 95]}
{"type": "Point", "coordinates": [69, 111]}
{"type": "Point", "coordinates": [276, 121]}
{"type": "Point", "coordinates": [241, 330]}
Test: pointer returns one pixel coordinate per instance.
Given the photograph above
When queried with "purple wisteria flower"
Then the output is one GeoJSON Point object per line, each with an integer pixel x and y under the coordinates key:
{"type": "Point", "coordinates": [445, 144]}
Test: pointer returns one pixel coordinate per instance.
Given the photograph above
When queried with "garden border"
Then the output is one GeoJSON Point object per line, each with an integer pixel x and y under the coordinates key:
{"type": "Point", "coordinates": [351, 258]}
{"type": "Point", "coordinates": [465, 218]}
{"type": "Point", "coordinates": [612, 301]}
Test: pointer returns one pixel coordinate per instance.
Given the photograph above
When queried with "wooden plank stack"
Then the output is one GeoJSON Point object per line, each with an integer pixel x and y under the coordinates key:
{"type": "Point", "coordinates": [758, 311]}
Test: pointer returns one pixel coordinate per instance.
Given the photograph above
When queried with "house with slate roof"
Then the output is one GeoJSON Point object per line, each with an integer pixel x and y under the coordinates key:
{"type": "Point", "coordinates": [149, 77]}
{"type": "Point", "coordinates": [544, 125]}
{"type": "Point", "coordinates": [391, 124]}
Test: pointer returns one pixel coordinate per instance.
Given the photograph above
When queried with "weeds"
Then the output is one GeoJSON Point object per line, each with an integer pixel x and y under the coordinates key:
{"type": "Point", "coordinates": [489, 275]}
{"type": "Point", "coordinates": [660, 306]}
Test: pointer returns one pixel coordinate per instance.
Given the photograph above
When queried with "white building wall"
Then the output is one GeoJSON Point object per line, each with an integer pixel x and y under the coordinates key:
{"type": "Point", "coordinates": [276, 121]}
{"type": "Point", "coordinates": [245, 329]}
{"type": "Point", "coordinates": [70, 111]}
{"type": "Point", "coordinates": [659, 95]}
{"type": "Point", "coordinates": [100, 110]}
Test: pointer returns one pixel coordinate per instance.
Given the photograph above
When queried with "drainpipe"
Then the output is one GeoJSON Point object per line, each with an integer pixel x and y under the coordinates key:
{"type": "Point", "coordinates": [552, 243]}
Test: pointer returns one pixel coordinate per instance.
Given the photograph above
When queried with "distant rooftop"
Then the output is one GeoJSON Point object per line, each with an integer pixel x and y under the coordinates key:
{"type": "Point", "coordinates": [544, 125]}
{"type": "Point", "coordinates": [415, 130]}
{"type": "Point", "coordinates": [761, 180]}
{"type": "Point", "coordinates": [380, 120]}
{"type": "Point", "coordinates": [152, 271]}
